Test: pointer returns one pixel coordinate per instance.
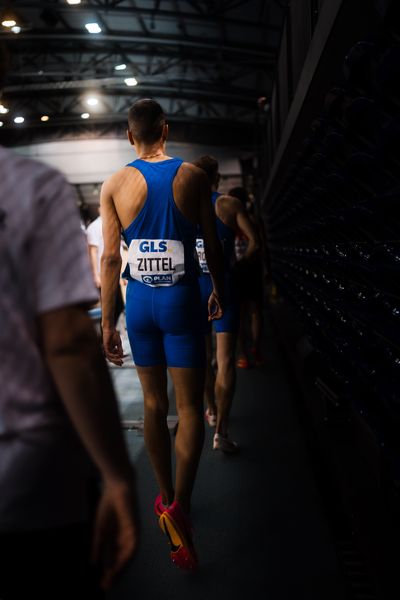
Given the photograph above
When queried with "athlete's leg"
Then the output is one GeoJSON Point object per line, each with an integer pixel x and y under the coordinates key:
{"type": "Point", "coordinates": [210, 377]}
{"type": "Point", "coordinates": [225, 380]}
{"type": "Point", "coordinates": [156, 433]}
{"type": "Point", "coordinates": [189, 391]}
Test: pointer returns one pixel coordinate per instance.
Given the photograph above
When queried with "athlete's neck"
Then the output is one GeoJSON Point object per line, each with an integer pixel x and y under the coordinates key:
{"type": "Point", "coordinates": [154, 151]}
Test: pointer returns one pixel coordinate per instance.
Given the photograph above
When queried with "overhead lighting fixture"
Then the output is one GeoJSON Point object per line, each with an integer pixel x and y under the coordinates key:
{"type": "Point", "coordinates": [93, 27]}
{"type": "Point", "coordinates": [3, 110]}
{"type": "Point", "coordinates": [73, 1]}
{"type": "Point", "coordinates": [120, 67]}
{"type": "Point", "coordinates": [131, 81]}
{"type": "Point", "coordinates": [44, 118]}
{"type": "Point", "coordinates": [9, 17]}
{"type": "Point", "coordinates": [16, 29]}
{"type": "Point", "coordinates": [19, 120]}
{"type": "Point", "coordinates": [6, 22]}
{"type": "Point", "coordinates": [1, 123]}
{"type": "Point", "coordinates": [85, 115]}
{"type": "Point", "coordinates": [92, 101]}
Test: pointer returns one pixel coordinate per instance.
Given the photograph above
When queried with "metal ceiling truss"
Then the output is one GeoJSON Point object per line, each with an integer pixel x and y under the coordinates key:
{"type": "Point", "coordinates": [159, 44]}
{"type": "Point", "coordinates": [203, 63]}
{"type": "Point", "coordinates": [75, 62]}
{"type": "Point", "coordinates": [217, 10]}
{"type": "Point", "coordinates": [69, 108]}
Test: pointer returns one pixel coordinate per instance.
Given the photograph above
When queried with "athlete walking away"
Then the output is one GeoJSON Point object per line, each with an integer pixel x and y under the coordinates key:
{"type": "Point", "coordinates": [249, 278]}
{"type": "Point", "coordinates": [231, 218]}
{"type": "Point", "coordinates": [159, 202]}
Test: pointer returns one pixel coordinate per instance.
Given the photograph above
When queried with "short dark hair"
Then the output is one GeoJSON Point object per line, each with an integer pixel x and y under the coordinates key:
{"type": "Point", "coordinates": [209, 165]}
{"type": "Point", "coordinates": [146, 121]}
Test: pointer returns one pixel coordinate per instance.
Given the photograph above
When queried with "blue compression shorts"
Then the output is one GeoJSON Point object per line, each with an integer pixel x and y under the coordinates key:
{"type": "Point", "coordinates": [165, 325]}
{"type": "Point", "coordinates": [229, 322]}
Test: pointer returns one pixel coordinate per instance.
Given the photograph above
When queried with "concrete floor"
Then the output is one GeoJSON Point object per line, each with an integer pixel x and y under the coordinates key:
{"type": "Point", "coordinates": [260, 527]}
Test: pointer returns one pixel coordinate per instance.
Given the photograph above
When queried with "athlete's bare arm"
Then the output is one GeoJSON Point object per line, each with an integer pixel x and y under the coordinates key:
{"type": "Point", "coordinates": [231, 212]}
{"type": "Point", "coordinates": [192, 195]}
{"type": "Point", "coordinates": [110, 273]}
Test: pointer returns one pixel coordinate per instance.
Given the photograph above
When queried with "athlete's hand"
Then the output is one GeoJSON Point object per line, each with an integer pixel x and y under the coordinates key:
{"type": "Point", "coordinates": [215, 310]}
{"type": "Point", "coordinates": [113, 346]}
{"type": "Point", "coordinates": [116, 530]}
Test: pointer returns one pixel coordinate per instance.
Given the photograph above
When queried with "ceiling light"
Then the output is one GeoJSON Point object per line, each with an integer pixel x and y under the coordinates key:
{"type": "Point", "coordinates": [85, 115]}
{"type": "Point", "coordinates": [44, 118]}
{"type": "Point", "coordinates": [8, 22]}
{"type": "Point", "coordinates": [92, 101]}
{"type": "Point", "coordinates": [19, 120]}
{"type": "Point", "coordinates": [120, 67]}
{"type": "Point", "coordinates": [9, 17]}
{"type": "Point", "coordinates": [3, 110]}
{"type": "Point", "coordinates": [130, 81]}
{"type": "Point", "coordinates": [93, 27]}
{"type": "Point", "coordinates": [73, 1]}
{"type": "Point", "coordinates": [1, 123]}
{"type": "Point", "coordinates": [16, 29]}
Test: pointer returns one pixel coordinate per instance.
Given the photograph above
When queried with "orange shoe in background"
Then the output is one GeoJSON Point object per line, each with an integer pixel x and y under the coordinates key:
{"type": "Point", "coordinates": [242, 363]}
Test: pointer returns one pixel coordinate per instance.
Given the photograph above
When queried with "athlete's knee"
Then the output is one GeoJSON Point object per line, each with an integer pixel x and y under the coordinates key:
{"type": "Point", "coordinates": [226, 361]}
{"type": "Point", "coordinates": [156, 406]}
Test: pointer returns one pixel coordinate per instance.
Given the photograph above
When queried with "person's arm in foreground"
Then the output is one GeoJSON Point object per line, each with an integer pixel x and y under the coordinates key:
{"type": "Point", "coordinates": [111, 262]}
{"type": "Point", "coordinates": [212, 248]}
{"type": "Point", "coordinates": [76, 363]}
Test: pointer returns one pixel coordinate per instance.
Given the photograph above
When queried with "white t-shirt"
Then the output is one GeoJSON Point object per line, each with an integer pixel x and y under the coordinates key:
{"type": "Point", "coordinates": [43, 266]}
{"type": "Point", "coordinates": [94, 235]}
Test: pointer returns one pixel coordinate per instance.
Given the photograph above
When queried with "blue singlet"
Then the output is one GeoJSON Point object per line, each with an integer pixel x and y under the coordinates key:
{"type": "Point", "coordinates": [163, 306]}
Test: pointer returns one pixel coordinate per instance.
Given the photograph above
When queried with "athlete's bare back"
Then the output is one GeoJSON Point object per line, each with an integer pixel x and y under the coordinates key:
{"type": "Point", "coordinates": [128, 190]}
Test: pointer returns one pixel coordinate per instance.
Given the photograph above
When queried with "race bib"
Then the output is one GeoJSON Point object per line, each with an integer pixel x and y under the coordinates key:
{"type": "Point", "coordinates": [156, 262]}
{"type": "Point", "coordinates": [201, 255]}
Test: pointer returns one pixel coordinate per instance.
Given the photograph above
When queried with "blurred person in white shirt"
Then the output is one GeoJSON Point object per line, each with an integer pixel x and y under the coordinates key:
{"type": "Point", "coordinates": [94, 234]}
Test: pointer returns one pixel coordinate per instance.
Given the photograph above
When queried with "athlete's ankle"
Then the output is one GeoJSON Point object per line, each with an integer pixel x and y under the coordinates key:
{"type": "Point", "coordinates": [167, 498]}
{"type": "Point", "coordinates": [184, 503]}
